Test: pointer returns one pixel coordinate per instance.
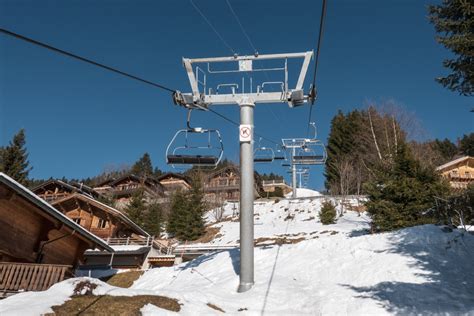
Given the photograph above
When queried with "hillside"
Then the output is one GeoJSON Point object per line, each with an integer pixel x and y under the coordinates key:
{"type": "Point", "coordinates": [303, 267]}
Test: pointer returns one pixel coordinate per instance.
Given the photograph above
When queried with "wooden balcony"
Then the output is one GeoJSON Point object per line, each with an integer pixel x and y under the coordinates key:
{"type": "Point", "coordinates": [19, 277]}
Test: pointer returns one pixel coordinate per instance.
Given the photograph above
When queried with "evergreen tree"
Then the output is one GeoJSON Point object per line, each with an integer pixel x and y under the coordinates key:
{"type": "Point", "coordinates": [335, 148]}
{"type": "Point", "coordinates": [157, 172]}
{"type": "Point", "coordinates": [445, 148]}
{"type": "Point", "coordinates": [153, 219]}
{"type": "Point", "coordinates": [186, 220]}
{"type": "Point", "coordinates": [401, 194]}
{"type": "Point", "coordinates": [466, 145]}
{"type": "Point", "coordinates": [136, 208]}
{"type": "Point", "coordinates": [15, 159]}
{"type": "Point", "coordinates": [327, 214]}
{"type": "Point", "coordinates": [343, 143]}
{"type": "Point", "coordinates": [454, 19]}
{"type": "Point", "coordinates": [178, 212]}
{"type": "Point", "coordinates": [143, 167]}
{"type": "Point", "coordinates": [107, 200]}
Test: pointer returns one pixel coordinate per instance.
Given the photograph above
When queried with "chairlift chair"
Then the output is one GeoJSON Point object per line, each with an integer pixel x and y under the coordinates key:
{"type": "Point", "coordinates": [312, 153]}
{"type": "Point", "coordinates": [263, 154]}
{"type": "Point", "coordinates": [185, 150]}
{"type": "Point", "coordinates": [280, 154]}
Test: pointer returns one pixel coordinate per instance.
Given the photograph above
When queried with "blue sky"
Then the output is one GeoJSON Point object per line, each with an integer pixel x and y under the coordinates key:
{"type": "Point", "coordinates": [80, 119]}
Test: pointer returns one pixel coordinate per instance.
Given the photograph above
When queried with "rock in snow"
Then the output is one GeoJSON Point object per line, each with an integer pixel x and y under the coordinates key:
{"type": "Point", "coordinates": [336, 269]}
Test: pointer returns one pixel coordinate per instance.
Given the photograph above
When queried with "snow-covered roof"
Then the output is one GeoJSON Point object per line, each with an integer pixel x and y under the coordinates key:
{"type": "Point", "coordinates": [44, 206]}
{"type": "Point", "coordinates": [453, 162]}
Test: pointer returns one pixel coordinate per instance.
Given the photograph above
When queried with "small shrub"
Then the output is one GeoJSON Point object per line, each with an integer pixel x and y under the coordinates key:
{"type": "Point", "coordinates": [327, 215]}
{"type": "Point", "coordinates": [85, 288]}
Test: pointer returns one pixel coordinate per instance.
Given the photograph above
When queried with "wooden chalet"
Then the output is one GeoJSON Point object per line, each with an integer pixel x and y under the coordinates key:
{"type": "Point", "coordinates": [270, 186]}
{"type": "Point", "coordinates": [54, 189]}
{"type": "Point", "coordinates": [224, 185]}
{"type": "Point", "coordinates": [39, 245]}
{"type": "Point", "coordinates": [172, 182]}
{"type": "Point", "coordinates": [98, 218]}
{"type": "Point", "coordinates": [132, 245]}
{"type": "Point", "coordinates": [459, 172]}
{"type": "Point", "coordinates": [123, 188]}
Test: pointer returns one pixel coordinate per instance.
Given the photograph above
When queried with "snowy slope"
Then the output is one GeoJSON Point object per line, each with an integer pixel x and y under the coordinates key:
{"type": "Point", "coordinates": [329, 270]}
{"type": "Point", "coordinates": [301, 192]}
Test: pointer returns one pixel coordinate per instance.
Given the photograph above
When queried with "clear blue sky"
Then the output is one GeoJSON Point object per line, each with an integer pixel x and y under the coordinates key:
{"type": "Point", "coordinates": [80, 119]}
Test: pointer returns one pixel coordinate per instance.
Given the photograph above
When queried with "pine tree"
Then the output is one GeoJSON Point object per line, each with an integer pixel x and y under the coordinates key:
{"type": "Point", "coordinates": [186, 220]}
{"type": "Point", "coordinates": [454, 19]}
{"type": "Point", "coordinates": [445, 148]}
{"type": "Point", "coordinates": [400, 195]}
{"type": "Point", "coordinates": [335, 148]}
{"type": "Point", "coordinates": [466, 145]}
{"type": "Point", "coordinates": [157, 172]}
{"type": "Point", "coordinates": [15, 159]}
{"type": "Point", "coordinates": [343, 143]}
{"type": "Point", "coordinates": [153, 219]}
{"type": "Point", "coordinates": [136, 208]}
{"type": "Point", "coordinates": [178, 212]}
{"type": "Point", "coordinates": [143, 167]}
{"type": "Point", "coordinates": [327, 214]}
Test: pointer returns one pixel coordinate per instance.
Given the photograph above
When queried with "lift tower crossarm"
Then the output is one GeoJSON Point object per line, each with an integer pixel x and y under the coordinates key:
{"type": "Point", "coordinates": [202, 99]}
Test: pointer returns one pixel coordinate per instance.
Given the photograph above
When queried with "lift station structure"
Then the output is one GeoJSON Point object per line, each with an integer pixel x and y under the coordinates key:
{"type": "Point", "coordinates": [247, 92]}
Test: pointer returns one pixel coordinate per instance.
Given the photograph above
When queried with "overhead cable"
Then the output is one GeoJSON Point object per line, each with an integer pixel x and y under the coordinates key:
{"type": "Point", "coordinates": [212, 26]}
{"type": "Point", "coordinates": [316, 60]}
{"type": "Point", "coordinates": [241, 26]}
{"type": "Point", "coordinates": [65, 53]}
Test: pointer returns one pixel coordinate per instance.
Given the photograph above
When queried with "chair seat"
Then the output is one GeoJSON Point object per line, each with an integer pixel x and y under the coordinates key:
{"type": "Point", "coordinates": [192, 160]}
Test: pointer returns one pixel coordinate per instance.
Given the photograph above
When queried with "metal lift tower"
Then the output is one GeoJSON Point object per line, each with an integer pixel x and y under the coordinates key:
{"type": "Point", "coordinates": [246, 97]}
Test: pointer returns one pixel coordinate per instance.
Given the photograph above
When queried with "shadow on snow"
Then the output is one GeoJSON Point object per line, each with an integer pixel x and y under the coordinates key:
{"type": "Point", "coordinates": [445, 260]}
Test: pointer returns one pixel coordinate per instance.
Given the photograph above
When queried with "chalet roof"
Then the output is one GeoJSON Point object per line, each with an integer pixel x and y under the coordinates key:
{"type": "Point", "coordinates": [72, 187]}
{"type": "Point", "coordinates": [454, 162]}
{"type": "Point", "coordinates": [51, 211]}
{"type": "Point", "coordinates": [174, 175]}
{"type": "Point", "coordinates": [116, 213]}
{"type": "Point", "coordinates": [232, 168]}
{"type": "Point", "coordinates": [224, 170]}
{"type": "Point", "coordinates": [105, 182]}
{"type": "Point", "coordinates": [148, 180]}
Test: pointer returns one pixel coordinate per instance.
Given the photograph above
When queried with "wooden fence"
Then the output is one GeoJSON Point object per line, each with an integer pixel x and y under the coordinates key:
{"type": "Point", "coordinates": [18, 277]}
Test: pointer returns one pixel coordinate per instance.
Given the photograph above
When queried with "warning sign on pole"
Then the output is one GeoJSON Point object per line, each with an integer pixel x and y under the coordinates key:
{"type": "Point", "coordinates": [245, 133]}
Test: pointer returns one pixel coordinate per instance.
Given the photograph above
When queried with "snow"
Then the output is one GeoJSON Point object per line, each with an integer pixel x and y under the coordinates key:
{"type": "Point", "coordinates": [300, 193]}
{"type": "Point", "coordinates": [336, 269]}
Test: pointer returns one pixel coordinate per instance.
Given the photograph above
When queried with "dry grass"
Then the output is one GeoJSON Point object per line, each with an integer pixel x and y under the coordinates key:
{"type": "Point", "coordinates": [210, 234]}
{"type": "Point", "coordinates": [113, 305]}
{"type": "Point", "coordinates": [124, 279]}
{"type": "Point", "coordinates": [263, 241]}
{"type": "Point", "coordinates": [217, 308]}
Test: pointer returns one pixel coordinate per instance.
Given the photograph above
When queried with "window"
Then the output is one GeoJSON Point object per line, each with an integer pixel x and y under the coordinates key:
{"type": "Point", "coordinates": [102, 223]}
{"type": "Point", "coordinates": [77, 220]}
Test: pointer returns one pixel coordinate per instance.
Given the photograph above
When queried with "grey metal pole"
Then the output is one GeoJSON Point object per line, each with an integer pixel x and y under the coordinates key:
{"type": "Point", "coordinates": [246, 202]}
{"type": "Point", "coordinates": [293, 172]}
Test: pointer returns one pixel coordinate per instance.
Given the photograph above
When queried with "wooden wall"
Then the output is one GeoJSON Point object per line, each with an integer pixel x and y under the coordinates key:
{"type": "Point", "coordinates": [25, 228]}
